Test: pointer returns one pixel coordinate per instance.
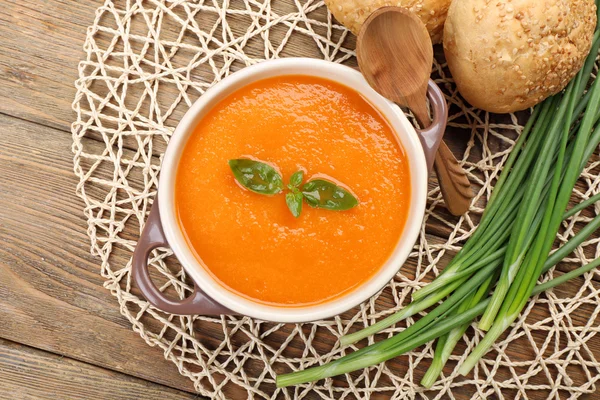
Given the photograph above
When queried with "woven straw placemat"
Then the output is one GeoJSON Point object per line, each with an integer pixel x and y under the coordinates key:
{"type": "Point", "coordinates": [146, 62]}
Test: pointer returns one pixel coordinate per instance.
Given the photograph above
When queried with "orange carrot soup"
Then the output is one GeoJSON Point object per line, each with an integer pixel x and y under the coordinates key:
{"type": "Point", "coordinates": [251, 243]}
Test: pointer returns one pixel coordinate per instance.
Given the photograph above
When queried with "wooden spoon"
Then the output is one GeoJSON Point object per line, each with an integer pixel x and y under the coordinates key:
{"type": "Point", "coordinates": [395, 55]}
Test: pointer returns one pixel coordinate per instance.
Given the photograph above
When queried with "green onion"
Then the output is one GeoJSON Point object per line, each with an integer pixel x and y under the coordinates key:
{"type": "Point", "coordinates": [385, 350]}
{"type": "Point", "coordinates": [446, 343]}
{"type": "Point", "coordinates": [517, 249]}
{"type": "Point", "coordinates": [523, 284]}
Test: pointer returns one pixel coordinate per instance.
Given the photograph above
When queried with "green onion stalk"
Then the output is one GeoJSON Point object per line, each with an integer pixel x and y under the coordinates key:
{"type": "Point", "coordinates": [510, 249]}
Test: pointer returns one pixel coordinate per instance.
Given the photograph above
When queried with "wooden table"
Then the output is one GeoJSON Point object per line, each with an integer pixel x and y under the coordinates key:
{"type": "Point", "coordinates": [61, 333]}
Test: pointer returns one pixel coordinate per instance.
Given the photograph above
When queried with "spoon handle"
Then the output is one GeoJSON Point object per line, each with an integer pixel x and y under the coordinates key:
{"type": "Point", "coordinates": [453, 180]}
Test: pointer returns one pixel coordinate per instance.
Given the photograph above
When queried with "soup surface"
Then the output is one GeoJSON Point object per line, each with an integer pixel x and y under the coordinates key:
{"type": "Point", "coordinates": [251, 243]}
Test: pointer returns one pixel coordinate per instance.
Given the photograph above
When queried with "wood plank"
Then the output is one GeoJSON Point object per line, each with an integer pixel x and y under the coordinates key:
{"type": "Point", "coordinates": [38, 78]}
{"type": "Point", "coordinates": [51, 294]}
{"type": "Point", "coordinates": [27, 373]}
{"type": "Point", "coordinates": [41, 48]}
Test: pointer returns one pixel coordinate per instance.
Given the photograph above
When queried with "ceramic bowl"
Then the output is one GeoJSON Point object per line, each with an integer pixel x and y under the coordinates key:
{"type": "Point", "coordinates": [209, 296]}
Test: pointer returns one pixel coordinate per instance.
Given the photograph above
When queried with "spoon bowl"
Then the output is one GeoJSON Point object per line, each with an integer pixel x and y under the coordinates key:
{"type": "Point", "coordinates": [395, 54]}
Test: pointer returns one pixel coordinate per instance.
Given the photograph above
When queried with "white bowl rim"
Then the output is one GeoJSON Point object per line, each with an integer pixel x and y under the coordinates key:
{"type": "Point", "coordinates": [404, 132]}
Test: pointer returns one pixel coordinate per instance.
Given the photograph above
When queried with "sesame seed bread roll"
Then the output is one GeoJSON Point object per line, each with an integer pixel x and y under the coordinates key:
{"type": "Point", "coordinates": [352, 13]}
{"type": "Point", "coordinates": [508, 55]}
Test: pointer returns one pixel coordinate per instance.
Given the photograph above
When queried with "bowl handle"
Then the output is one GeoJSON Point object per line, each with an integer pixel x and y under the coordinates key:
{"type": "Point", "coordinates": [431, 137]}
{"type": "Point", "coordinates": [152, 237]}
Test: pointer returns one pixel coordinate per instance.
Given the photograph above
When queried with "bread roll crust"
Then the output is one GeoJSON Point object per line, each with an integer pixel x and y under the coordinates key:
{"type": "Point", "coordinates": [507, 55]}
{"type": "Point", "coordinates": [352, 13]}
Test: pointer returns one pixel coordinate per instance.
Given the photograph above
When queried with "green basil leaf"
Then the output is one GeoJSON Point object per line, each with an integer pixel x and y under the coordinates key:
{"type": "Point", "coordinates": [256, 176]}
{"type": "Point", "coordinates": [294, 203]}
{"type": "Point", "coordinates": [296, 178]}
{"type": "Point", "coordinates": [320, 193]}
